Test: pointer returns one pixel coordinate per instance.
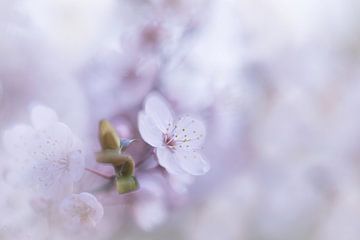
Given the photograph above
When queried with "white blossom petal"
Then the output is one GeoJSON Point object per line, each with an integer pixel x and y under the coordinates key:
{"type": "Point", "coordinates": [51, 142]}
{"type": "Point", "coordinates": [149, 131]}
{"type": "Point", "coordinates": [57, 159]}
{"type": "Point", "coordinates": [49, 180]}
{"type": "Point", "coordinates": [192, 162]}
{"type": "Point", "coordinates": [158, 110]}
{"type": "Point", "coordinates": [81, 209]}
{"type": "Point", "coordinates": [167, 159]}
{"type": "Point", "coordinates": [42, 116]}
{"type": "Point", "coordinates": [17, 140]}
{"type": "Point", "coordinates": [76, 165]}
{"type": "Point", "coordinates": [189, 133]}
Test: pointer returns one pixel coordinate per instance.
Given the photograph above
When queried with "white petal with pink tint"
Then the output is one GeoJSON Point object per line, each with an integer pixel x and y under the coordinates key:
{"type": "Point", "coordinates": [158, 110]}
{"type": "Point", "coordinates": [58, 160]}
{"type": "Point", "coordinates": [189, 133]}
{"type": "Point", "coordinates": [192, 162]}
{"type": "Point", "coordinates": [81, 210]}
{"type": "Point", "coordinates": [51, 142]}
{"type": "Point", "coordinates": [148, 130]}
{"type": "Point", "coordinates": [42, 116]}
{"type": "Point", "coordinates": [167, 159]}
{"type": "Point", "coordinates": [17, 141]}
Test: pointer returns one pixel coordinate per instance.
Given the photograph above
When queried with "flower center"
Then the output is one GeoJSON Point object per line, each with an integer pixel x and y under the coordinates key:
{"type": "Point", "coordinates": [169, 141]}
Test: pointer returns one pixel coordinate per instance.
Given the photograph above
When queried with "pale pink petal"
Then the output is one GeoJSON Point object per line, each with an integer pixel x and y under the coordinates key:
{"type": "Point", "coordinates": [76, 161]}
{"type": "Point", "coordinates": [45, 177]}
{"type": "Point", "coordinates": [42, 116]}
{"type": "Point", "coordinates": [158, 110]}
{"type": "Point", "coordinates": [17, 141]}
{"type": "Point", "coordinates": [52, 142]}
{"type": "Point", "coordinates": [76, 158]}
{"type": "Point", "coordinates": [167, 159]}
{"type": "Point", "coordinates": [149, 131]}
{"type": "Point", "coordinates": [189, 133]}
{"type": "Point", "coordinates": [81, 209]}
{"type": "Point", "coordinates": [192, 162]}
{"type": "Point", "coordinates": [54, 163]}
{"type": "Point", "coordinates": [97, 209]}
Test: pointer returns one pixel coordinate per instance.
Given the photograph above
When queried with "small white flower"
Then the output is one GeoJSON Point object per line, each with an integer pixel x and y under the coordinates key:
{"type": "Point", "coordinates": [178, 143]}
{"type": "Point", "coordinates": [50, 154]}
{"type": "Point", "coordinates": [81, 209]}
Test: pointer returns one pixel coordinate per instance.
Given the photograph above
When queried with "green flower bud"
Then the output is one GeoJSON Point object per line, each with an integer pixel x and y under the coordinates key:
{"type": "Point", "coordinates": [113, 157]}
{"type": "Point", "coordinates": [108, 137]}
{"type": "Point", "coordinates": [125, 170]}
{"type": "Point", "coordinates": [112, 153]}
{"type": "Point", "coordinates": [126, 184]}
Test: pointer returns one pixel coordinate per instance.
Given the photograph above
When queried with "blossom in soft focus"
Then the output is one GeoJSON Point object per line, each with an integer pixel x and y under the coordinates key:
{"type": "Point", "coordinates": [150, 209]}
{"type": "Point", "coordinates": [81, 209]}
{"type": "Point", "coordinates": [282, 142]}
{"type": "Point", "coordinates": [180, 183]}
{"type": "Point", "coordinates": [50, 156]}
{"type": "Point", "coordinates": [150, 214]}
{"type": "Point", "coordinates": [178, 143]}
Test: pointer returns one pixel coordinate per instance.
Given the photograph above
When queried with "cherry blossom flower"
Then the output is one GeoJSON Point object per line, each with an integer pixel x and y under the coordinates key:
{"type": "Point", "coordinates": [178, 143]}
{"type": "Point", "coordinates": [50, 155]}
{"type": "Point", "coordinates": [81, 209]}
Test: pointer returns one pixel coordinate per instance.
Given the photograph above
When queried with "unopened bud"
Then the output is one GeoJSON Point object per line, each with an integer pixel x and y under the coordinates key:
{"type": "Point", "coordinates": [126, 184]}
{"type": "Point", "coordinates": [125, 170]}
{"type": "Point", "coordinates": [113, 157]}
{"type": "Point", "coordinates": [108, 137]}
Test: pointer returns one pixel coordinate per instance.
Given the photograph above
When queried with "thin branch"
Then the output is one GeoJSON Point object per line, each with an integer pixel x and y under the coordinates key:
{"type": "Point", "coordinates": [99, 173]}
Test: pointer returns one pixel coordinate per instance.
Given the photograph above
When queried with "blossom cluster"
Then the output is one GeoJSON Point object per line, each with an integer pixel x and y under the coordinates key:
{"type": "Point", "coordinates": [49, 161]}
{"type": "Point", "coordinates": [179, 119]}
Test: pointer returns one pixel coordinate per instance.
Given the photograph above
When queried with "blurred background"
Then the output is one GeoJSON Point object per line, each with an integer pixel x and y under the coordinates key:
{"type": "Point", "coordinates": [275, 81]}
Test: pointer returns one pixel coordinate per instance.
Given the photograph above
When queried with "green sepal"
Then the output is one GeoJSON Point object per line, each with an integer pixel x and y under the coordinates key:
{"type": "Point", "coordinates": [113, 157]}
{"type": "Point", "coordinates": [126, 184]}
{"type": "Point", "coordinates": [125, 170]}
{"type": "Point", "coordinates": [108, 137]}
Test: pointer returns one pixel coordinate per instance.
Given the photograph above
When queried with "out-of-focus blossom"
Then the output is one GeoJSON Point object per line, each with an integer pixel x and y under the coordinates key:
{"type": "Point", "coordinates": [120, 79]}
{"type": "Point", "coordinates": [148, 205]}
{"type": "Point", "coordinates": [81, 209]}
{"type": "Point", "coordinates": [180, 183]}
{"type": "Point", "coordinates": [283, 142]}
{"type": "Point", "coordinates": [150, 214]}
{"type": "Point", "coordinates": [150, 210]}
{"type": "Point", "coordinates": [177, 143]}
{"type": "Point", "coordinates": [15, 212]}
{"type": "Point", "coordinates": [51, 156]}
{"type": "Point", "coordinates": [71, 28]}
